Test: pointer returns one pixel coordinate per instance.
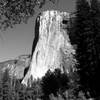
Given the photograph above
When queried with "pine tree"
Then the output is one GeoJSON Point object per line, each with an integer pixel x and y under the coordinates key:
{"type": "Point", "coordinates": [1, 89]}
{"type": "Point", "coordinates": [95, 47]}
{"type": "Point", "coordinates": [6, 86]}
{"type": "Point", "coordinates": [87, 34]}
{"type": "Point", "coordinates": [79, 30]}
{"type": "Point", "coordinates": [54, 82]}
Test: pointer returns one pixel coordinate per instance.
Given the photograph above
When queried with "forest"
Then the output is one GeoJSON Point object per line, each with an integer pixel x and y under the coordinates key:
{"type": "Point", "coordinates": [53, 86]}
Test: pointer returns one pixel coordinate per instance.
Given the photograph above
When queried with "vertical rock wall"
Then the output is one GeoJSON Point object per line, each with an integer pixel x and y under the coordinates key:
{"type": "Point", "coordinates": [37, 25]}
{"type": "Point", "coordinates": [53, 49]}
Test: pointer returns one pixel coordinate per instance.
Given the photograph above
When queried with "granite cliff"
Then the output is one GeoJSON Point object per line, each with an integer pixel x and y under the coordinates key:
{"type": "Point", "coordinates": [51, 47]}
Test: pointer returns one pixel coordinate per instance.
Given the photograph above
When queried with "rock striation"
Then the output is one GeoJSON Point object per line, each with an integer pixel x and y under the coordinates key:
{"type": "Point", "coordinates": [52, 49]}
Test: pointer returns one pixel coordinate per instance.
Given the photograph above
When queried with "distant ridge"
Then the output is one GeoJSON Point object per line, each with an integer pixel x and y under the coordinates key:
{"type": "Point", "coordinates": [16, 67]}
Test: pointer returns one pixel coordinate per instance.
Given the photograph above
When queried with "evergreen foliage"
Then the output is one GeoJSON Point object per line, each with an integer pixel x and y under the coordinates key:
{"type": "Point", "coordinates": [54, 82]}
{"type": "Point", "coordinates": [45, 89]}
{"type": "Point", "coordinates": [12, 89]}
{"type": "Point", "coordinates": [86, 30]}
{"type": "Point", "coordinates": [95, 48]}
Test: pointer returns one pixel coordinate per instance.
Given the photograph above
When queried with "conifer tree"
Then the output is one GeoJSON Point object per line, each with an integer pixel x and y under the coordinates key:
{"type": "Point", "coordinates": [94, 47]}
{"type": "Point", "coordinates": [6, 86]}
{"type": "Point", "coordinates": [53, 83]}
{"type": "Point", "coordinates": [87, 36]}
{"type": "Point", "coordinates": [1, 89]}
{"type": "Point", "coordinates": [79, 30]}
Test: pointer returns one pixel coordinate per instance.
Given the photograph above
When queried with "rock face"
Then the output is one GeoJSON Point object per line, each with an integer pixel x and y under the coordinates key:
{"type": "Point", "coordinates": [16, 67]}
{"type": "Point", "coordinates": [52, 49]}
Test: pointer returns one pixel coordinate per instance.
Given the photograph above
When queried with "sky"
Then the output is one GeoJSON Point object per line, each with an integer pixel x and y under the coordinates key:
{"type": "Point", "coordinates": [18, 40]}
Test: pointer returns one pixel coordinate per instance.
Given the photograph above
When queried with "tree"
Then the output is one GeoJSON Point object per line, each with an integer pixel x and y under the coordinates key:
{"type": "Point", "coordinates": [54, 82]}
{"type": "Point", "coordinates": [95, 47]}
{"type": "Point", "coordinates": [79, 26]}
{"type": "Point", "coordinates": [6, 86]}
{"type": "Point", "coordinates": [14, 12]}
{"type": "Point", "coordinates": [87, 34]}
{"type": "Point", "coordinates": [1, 89]}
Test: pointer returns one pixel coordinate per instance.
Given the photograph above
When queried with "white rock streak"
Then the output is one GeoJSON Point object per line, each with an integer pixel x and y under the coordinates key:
{"type": "Point", "coordinates": [53, 49]}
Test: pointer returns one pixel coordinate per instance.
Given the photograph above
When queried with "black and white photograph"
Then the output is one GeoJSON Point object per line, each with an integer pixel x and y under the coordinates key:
{"type": "Point", "coordinates": [49, 49]}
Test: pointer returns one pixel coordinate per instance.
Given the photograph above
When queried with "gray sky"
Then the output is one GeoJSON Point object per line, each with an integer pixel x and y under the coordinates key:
{"type": "Point", "coordinates": [18, 41]}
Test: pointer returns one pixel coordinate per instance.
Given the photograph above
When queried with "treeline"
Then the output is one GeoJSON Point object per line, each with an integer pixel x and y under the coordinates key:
{"type": "Point", "coordinates": [12, 89]}
{"type": "Point", "coordinates": [85, 33]}
{"type": "Point", "coordinates": [51, 83]}
{"type": "Point", "coordinates": [53, 86]}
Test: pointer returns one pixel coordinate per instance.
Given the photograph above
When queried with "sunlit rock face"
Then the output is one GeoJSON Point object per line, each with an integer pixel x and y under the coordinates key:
{"type": "Point", "coordinates": [52, 49]}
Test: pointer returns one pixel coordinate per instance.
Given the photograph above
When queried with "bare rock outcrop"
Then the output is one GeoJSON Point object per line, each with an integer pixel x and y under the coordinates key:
{"type": "Point", "coordinates": [53, 48]}
{"type": "Point", "coordinates": [16, 67]}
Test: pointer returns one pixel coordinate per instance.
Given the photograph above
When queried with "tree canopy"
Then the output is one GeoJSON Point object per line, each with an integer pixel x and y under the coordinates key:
{"type": "Point", "coordinates": [87, 37]}
{"type": "Point", "coordinates": [14, 12]}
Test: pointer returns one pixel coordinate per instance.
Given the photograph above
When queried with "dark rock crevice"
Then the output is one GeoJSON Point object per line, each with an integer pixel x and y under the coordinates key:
{"type": "Point", "coordinates": [36, 38]}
